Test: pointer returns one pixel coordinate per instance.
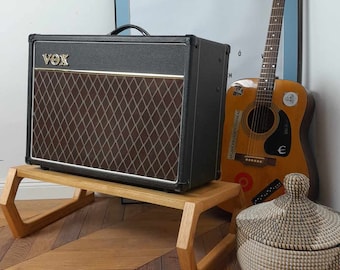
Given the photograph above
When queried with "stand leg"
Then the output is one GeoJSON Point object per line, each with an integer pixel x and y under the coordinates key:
{"type": "Point", "coordinates": [186, 234]}
{"type": "Point", "coordinates": [185, 241]}
{"type": "Point", "coordinates": [21, 228]}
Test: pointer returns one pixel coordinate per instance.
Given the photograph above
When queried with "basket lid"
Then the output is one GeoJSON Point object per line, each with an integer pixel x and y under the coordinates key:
{"type": "Point", "coordinates": [292, 221]}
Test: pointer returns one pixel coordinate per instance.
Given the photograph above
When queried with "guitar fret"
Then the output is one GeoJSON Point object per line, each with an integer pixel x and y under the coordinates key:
{"type": "Point", "coordinates": [270, 55]}
{"type": "Point", "coordinates": [266, 72]}
{"type": "Point", "coordinates": [266, 95]}
{"type": "Point", "coordinates": [265, 100]}
{"type": "Point", "coordinates": [272, 47]}
{"type": "Point", "coordinates": [269, 65]}
{"type": "Point", "coordinates": [274, 31]}
{"type": "Point", "coordinates": [269, 76]}
{"type": "Point", "coordinates": [275, 26]}
{"type": "Point", "coordinates": [273, 41]}
{"type": "Point", "coordinates": [268, 60]}
{"type": "Point", "coordinates": [276, 20]}
{"type": "Point", "coordinates": [266, 83]}
{"type": "Point", "coordinates": [264, 87]}
{"type": "Point", "coordinates": [265, 92]}
{"type": "Point", "coordinates": [273, 36]}
{"type": "Point", "coordinates": [269, 68]}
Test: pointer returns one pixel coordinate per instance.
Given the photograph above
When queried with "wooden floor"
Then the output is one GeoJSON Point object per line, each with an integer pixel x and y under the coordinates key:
{"type": "Point", "coordinates": [108, 234]}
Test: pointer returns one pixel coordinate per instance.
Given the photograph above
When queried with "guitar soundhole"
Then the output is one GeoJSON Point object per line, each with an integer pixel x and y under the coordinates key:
{"type": "Point", "coordinates": [261, 119]}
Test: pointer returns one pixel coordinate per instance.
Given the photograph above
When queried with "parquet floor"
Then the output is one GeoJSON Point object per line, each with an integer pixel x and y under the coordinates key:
{"type": "Point", "coordinates": [108, 234]}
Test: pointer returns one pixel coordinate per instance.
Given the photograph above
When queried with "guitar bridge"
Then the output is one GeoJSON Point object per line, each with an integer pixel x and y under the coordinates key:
{"type": "Point", "coordinates": [255, 161]}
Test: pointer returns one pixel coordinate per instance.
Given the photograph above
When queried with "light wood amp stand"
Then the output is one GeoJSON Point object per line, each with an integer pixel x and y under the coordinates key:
{"type": "Point", "coordinates": [193, 204]}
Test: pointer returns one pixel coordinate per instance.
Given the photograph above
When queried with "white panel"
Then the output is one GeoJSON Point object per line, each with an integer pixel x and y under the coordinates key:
{"type": "Point", "coordinates": [243, 24]}
{"type": "Point", "coordinates": [18, 19]}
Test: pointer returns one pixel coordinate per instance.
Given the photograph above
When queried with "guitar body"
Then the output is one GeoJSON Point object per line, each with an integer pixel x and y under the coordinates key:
{"type": "Point", "coordinates": [262, 144]}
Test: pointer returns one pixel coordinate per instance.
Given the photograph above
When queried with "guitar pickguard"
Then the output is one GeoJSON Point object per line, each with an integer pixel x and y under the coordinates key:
{"type": "Point", "coordinates": [279, 143]}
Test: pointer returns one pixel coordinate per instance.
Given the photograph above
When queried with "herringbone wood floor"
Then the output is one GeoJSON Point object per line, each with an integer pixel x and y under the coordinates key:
{"type": "Point", "coordinates": [72, 242]}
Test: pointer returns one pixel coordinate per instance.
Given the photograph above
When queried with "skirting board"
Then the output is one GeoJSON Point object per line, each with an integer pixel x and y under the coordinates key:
{"type": "Point", "coordinates": [35, 190]}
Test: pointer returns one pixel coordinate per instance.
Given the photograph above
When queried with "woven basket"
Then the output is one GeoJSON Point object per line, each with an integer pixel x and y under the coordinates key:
{"type": "Point", "coordinates": [290, 232]}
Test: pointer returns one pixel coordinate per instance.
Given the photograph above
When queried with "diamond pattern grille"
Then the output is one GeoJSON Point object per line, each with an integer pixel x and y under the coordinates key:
{"type": "Point", "coordinates": [127, 124]}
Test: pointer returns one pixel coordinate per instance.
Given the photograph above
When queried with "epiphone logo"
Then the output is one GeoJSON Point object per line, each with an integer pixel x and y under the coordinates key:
{"type": "Point", "coordinates": [55, 59]}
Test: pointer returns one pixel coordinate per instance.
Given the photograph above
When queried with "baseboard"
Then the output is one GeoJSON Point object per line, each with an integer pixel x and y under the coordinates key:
{"type": "Point", "coordinates": [35, 190]}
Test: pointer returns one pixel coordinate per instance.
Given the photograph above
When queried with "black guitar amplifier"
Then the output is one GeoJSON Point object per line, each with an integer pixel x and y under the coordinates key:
{"type": "Point", "coordinates": [141, 110]}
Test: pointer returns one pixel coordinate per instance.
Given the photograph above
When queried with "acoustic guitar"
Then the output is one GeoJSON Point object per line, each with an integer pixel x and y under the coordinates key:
{"type": "Point", "coordinates": [266, 128]}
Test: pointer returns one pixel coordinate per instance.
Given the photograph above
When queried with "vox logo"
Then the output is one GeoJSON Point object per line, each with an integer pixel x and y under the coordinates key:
{"type": "Point", "coordinates": [55, 59]}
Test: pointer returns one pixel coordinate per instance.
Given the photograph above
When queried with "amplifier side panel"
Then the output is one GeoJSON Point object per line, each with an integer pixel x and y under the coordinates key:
{"type": "Point", "coordinates": [212, 71]}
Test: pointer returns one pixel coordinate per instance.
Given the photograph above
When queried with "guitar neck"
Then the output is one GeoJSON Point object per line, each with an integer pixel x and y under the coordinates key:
{"type": "Point", "coordinates": [270, 55]}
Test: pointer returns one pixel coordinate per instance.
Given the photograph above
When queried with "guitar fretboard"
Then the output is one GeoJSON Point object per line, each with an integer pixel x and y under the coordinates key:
{"type": "Point", "coordinates": [268, 71]}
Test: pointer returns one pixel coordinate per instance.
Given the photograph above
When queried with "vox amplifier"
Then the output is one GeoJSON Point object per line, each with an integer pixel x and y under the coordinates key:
{"type": "Point", "coordinates": [141, 110]}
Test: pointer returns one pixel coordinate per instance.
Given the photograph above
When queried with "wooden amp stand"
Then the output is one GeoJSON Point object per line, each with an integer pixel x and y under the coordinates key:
{"type": "Point", "coordinates": [192, 203]}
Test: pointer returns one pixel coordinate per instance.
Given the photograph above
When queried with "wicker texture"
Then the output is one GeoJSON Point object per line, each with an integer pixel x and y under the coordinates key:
{"type": "Point", "coordinates": [290, 232]}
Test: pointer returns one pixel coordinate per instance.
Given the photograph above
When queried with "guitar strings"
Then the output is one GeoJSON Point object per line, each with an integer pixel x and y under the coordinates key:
{"type": "Point", "coordinates": [264, 94]}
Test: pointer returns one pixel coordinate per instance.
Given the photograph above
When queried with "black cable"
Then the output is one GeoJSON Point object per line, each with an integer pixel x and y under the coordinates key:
{"type": "Point", "coordinates": [128, 26]}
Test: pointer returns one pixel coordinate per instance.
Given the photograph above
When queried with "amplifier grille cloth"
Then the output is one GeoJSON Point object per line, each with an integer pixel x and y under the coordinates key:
{"type": "Point", "coordinates": [128, 124]}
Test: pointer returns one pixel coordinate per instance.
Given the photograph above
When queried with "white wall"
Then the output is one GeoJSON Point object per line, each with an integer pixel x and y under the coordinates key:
{"type": "Point", "coordinates": [321, 76]}
{"type": "Point", "coordinates": [18, 19]}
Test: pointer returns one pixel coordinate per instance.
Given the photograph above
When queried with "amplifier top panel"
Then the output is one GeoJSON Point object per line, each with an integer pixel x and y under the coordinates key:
{"type": "Point", "coordinates": [104, 53]}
